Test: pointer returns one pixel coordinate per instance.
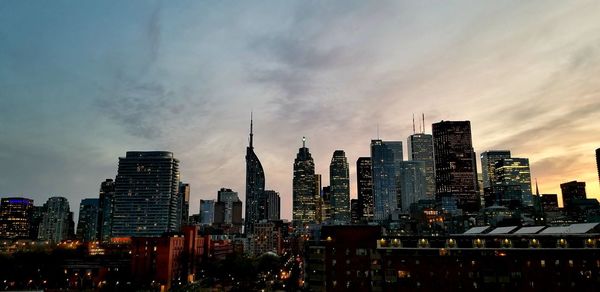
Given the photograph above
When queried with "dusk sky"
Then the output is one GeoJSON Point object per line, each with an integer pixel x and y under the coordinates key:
{"type": "Point", "coordinates": [83, 82]}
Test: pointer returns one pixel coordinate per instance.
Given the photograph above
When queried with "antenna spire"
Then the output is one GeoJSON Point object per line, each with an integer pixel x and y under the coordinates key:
{"type": "Point", "coordinates": [423, 123]}
{"type": "Point", "coordinates": [537, 190]}
{"type": "Point", "coordinates": [303, 142]}
{"type": "Point", "coordinates": [251, 129]}
{"type": "Point", "coordinates": [413, 123]}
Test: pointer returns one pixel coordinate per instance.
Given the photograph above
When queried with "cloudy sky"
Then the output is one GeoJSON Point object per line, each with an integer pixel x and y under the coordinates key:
{"type": "Point", "coordinates": [81, 83]}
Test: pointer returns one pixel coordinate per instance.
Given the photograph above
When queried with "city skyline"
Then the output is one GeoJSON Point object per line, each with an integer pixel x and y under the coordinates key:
{"type": "Point", "coordinates": [156, 77]}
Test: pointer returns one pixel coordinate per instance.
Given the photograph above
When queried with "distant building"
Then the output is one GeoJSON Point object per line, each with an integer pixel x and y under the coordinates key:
{"type": "Point", "coordinates": [304, 208]}
{"type": "Point", "coordinates": [355, 211]}
{"type": "Point", "coordinates": [412, 182]}
{"type": "Point", "coordinates": [488, 165]}
{"type": "Point", "coordinates": [326, 204]}
{"type": "Point", "coordinates": [455, 166]}
{"type": "Point", "coordinates": [87, 225]}
{"type": "Point", "coordinates": [105, 214]}
{"type": "Point", "coordinates": [267, 237]}
{"type": "Point", "coordinates": [550, 202]}
{"type": "Point", "coordinates": [35, 219]}
{"type": "Point", "coordinates": [319, 202]}
{"type": "Point", "coordinates": [56, 221]}
{"type": "Point", "coordinates": [255, 186]}
{"type": "Point", "coordinates": [386, 157]}
{"type": "Point", "coordinates": [184, 194]}
{"type": "Point", "coordinates": [228, 211]}
{"type": "Point", "coordinates": [571, 191]}
{"type": "Point", "coordinates": [273, 207]}
{"type": "Point", "coordinates": [15, 213]}
{"type": "Point", "coordinates": [598, 162]}
{"type": "Point", "coordinates": [207, 212]}
{"type": "Point", "coordinates": [147, 201]}
{"type": "Point", "coordinates": [512, 174]}
{"type": "Point", "coordinates": [420, 148]}
{"type": "Point", "coordinates": [364, 182]}
{"type": "Point", "coordinates": [339, 178]}
{"type": "Point", "coordinates": [228, 197]}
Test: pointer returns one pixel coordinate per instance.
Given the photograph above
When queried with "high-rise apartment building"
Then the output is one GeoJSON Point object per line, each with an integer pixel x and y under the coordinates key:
{"type": "Point", "coordinates": [56, 221]}
{"type": "Point", "coordinates": [455, 166]}
{"type": "Point", "coordinates": [273, 202]}
{"type": "Point", "coordinates": [364, 181]}
{"type": "Point", "coordinates": [304, 209]}
{"type": "Point", "coordinates": [87, 225]}
{"type": "Point", "coordinates": [105, 206]}
{"type": "Point", "coordinates": [512, 181]}
{"type": "Point", "coordinates": [15, 213]}
{"type": "Point", "coordinates": [420, 148]}
{"type": "Point", "coordinates": [339, 178]}
{"type": "Point", "coordinates": [184, 194]}
{"type": "Point", "coordinates": [255, 186]}
{"type": "Point", "coordinates": [385, 158]}
{"type": "Point", "coordinates": [146, 201]}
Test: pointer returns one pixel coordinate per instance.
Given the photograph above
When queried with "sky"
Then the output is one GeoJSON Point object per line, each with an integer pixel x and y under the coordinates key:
{"type": "Point", "coordinates": [83, 82]}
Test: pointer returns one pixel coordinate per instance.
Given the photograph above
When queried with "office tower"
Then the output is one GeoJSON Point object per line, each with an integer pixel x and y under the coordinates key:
{"type": "Point", "coordinates": [207, 212]}
{"type": "Point", "coordinates": [228, 197]}
{"type": "Point", "coordinates": [14, 217]}
{"type": "Point", "coordinates": [184, 195]}
{"type": "Point", "coordinates": [35, 219]}
{"type": "Point", "coordinates": [326, 205]}
{"type": "Point", "coordinates": [550, 202]}
{"type": "Point", "coordinates": [237, 223]}
{"type": "Point", "coordinates": [572, 191]}
{"type": "Point", "coordinates": [105, 206]}
{"type": "Point", "coordinates": [146, 202]}
{"type": "Point", "coordinates": [512, 181]}
{"type": "Point", "coordinates": [488, 165]}
{"type": "Point", "coordinates": [455, 166]}
{"type": "Point", "coordinates": [304, 196]}
{"type": "Point", "coordinates": [412, 183]}
{"type": "Point", "coordinates": [339, 178]}
{"type": "Point", "coordinates": [87, 225]}
{"type": "Point", "coordinates": [219, 216]}
{"type": "Point", "coordinates": [319, 199]}
{"type": "Point", "coordinates": [56, 221]}
{"type": "Point", "coordinates": [420, 148]}
{"type": "Point", "coordinates": [364, 181]}
{"type": "Point", "coordinates": [355, 211]}
{"type": "Point", "coordinates": [385, 158]}
{"type": "Point", "coordinates": [273, 207]}
{"type": "Point", "coordinates": [255, 186]}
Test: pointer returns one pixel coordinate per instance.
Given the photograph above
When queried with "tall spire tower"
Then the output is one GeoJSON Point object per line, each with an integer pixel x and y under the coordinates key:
{"type": "Point", "coordinates": [255, 186]}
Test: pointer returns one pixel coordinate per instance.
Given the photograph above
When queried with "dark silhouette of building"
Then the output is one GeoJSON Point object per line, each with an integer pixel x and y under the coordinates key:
{"type": "Point", "coordinates": [339, 178]}
{"type": "Point", "coordinates": [228, 211]}
{"type": "Point", "coordinates": [420, 148]}
{"type": "Point", "coordinates": [304, 209]}
{"type": "Point", "coordinates": [455, 166]}
{"type": "Point", "coordinates": [355, 211]}
{"type": "Point", "coordinates": [35, 219]}
{"type": "Point", "coordinates": [57, 220]}
{"type": "Point", "coordinates": [386, 157]}
{"type": "Point", "coordinates": [571, 191]}
{"type": "Point", "coordinates": [105, 214]}
{"type": "Point", "coordinates": [184, 194]}
{"type": "Point", "coordinates": [15, 214]}
{"type": "Point", "coordinates": [147, 201]}
{"type": "Point", "coordinates": [87, 225]}
{"type": "Point", "coordinates": [273, 207]}
{"type": "Point", "coordinates": [255, 186]}
{"type": "Point", "coordinates": [550, 202]}
{"type": "Point", "coordinates": [598, 162]}
{"type": "Point", "coordinates": [364, 181]}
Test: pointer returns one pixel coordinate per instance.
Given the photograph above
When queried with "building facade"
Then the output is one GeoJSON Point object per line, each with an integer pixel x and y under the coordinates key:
{"type": "Point", "coordinates": [56, 221]}
{"type": "Point", "coordinates": [385, 158]}
{"type": "Point", "coordinates": [15, 213]}
{"type": "Point", "coordinates": [273, 207]}
{"type": "Point", "coordinates": [420, 148]}
{"type": "Point", "coordinates": [87, 225]}
{"type": "Point", "coordinates": [184, 194]}
{"type": "Point", "coordinates": [105, 205]}
{"type": "Point", "coordinates": [412, 183]}
{"type": "Point", "coordinates": [339, 178]}
{"type": "Point", "coordinates": [255, 186]}
{"type": "Point", "coordinates": [455, 167]}
{"type": "Point", "coordinates": [512, 173]}
{"type": "Point", "coordinates": [304, 209]}
{"type": "Point", "coordinates": [207, 212]}
{"type": "Point", "coordinates": [572, 191]}
{"type": "Point", "coordinates": [364, 187]}
{"type": "Point", "coordinates": [147, 201]}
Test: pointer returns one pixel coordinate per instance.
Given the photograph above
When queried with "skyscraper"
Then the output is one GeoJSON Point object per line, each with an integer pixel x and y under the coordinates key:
{"type": "Point", "coordinates": [87, 225]}
{"type": "Point", "coordinates": [184, 194]}
{"type": "Point", "coordinates": [455, 166]}
{"type": "Point", "coordinates": [488, 165]}
{"type": "Point", "coordinates": [56, 221]}
{"type": "Point", "coordinates": [107, 194]}
{"type": "Point", "coordinates": [354, 211]}
{"type": "Point", "coordinates": [364, 181]}
{"type": "Point", "coordinates": [147, 201]}
{"type": "Point", "coordinates": [598, 162]}
{"type": "Point", "coordinates": [339, 178]}
{"type": "Point", "coordinates": [255, 186]}
{"type": "Point", "coordinates": [512, 181]}
{"type": "Point", "coordinates": [385, 157]}
{"type": "Point", "coordinates": [319, 202]}
{"type": "Point", "coordinates": [273, 202]}
{"type": "Point", "coordinates": [412, 183]}
{"type": "Point", "coordinates": [14, 217]}
{"type": "Point", "coordinates": [207, 212]}
{"type": "Point", "coordinates": [420, 148]}
{"type": "Point", "coordinates": [573, 190]}
{"type": "Point", "coordinates": [304, 196]}
{"type": "Point", "coordinates": [228, 197]}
